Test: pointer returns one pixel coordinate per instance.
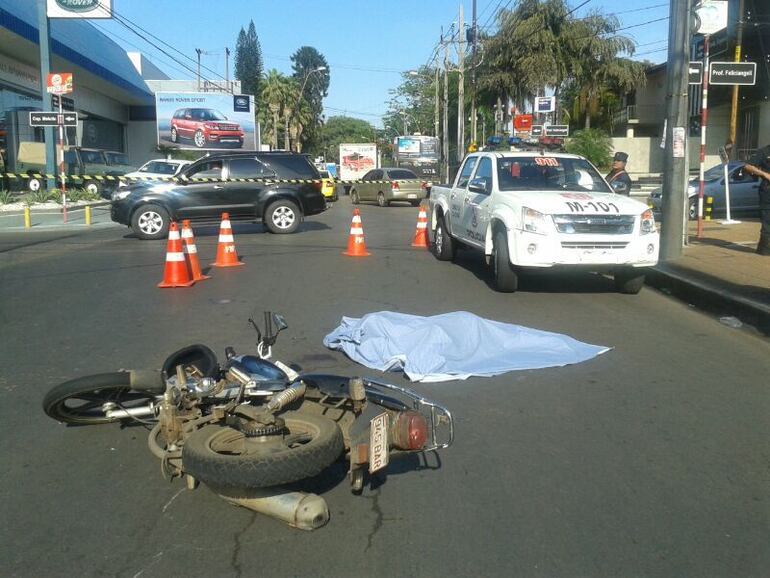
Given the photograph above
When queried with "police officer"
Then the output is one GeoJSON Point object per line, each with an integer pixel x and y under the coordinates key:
{"type": "Point", "coordinates": [759, 165]}
{"type": "Point", "coordinates": [618, 177]}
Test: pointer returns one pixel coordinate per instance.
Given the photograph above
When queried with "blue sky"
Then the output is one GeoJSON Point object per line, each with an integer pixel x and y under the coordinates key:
{"type": "Point", "coordinates": [366, 42]}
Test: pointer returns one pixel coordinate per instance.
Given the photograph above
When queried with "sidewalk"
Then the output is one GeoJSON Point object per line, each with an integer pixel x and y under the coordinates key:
{"type": "Point", "coordinates": [51, 215]}
{"type": "Point", "coordinates": [721, 273]}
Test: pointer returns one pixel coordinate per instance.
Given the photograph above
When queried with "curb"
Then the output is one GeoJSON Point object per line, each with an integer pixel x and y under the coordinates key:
{"type": "Point", "coordinates": [57, 210]}
{"type": "Point", "coordinates": [712, 297]}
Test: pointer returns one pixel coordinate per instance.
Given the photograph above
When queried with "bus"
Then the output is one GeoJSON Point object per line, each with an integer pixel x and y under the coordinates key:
{"type": "Point", "coordinates": [420, 154]}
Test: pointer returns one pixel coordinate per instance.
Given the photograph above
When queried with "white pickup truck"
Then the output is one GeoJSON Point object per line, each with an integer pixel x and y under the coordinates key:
{"type": "Point", "coordinates": [540, 210]}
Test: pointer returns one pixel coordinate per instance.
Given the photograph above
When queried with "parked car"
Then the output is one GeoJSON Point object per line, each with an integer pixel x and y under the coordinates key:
{"type": "Point", "coordinates": [149, 207]}
{"type": "Point", "coordinates": [387, 185]}
{"type": "Point", "coordinates": [744, 191]}
{"type": "Point", "coordinates": [157, 168]}
{"type": "Point", "coordinates": [205, 126]}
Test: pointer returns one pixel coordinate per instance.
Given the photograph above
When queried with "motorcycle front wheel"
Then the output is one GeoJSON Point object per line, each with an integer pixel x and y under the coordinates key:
{"type": "Point", "coordinates": [224, 457]}
{"type": "Point", "coordinates": [81, 401]}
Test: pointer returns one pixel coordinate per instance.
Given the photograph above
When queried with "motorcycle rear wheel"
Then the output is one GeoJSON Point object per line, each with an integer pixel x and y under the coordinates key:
{"type": "Point", "coordinates": [223, 457]}
{"type": "Point", "coordinates": [79, 401]}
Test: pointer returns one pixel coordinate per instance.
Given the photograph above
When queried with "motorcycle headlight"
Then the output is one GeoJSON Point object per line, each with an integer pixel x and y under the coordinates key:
{"type": "Point", "coordinates": [647, 223]}
{"type": "Point", "coordinates": [534, 221]}
{"type": "Point", "coordinates": [120, 194]}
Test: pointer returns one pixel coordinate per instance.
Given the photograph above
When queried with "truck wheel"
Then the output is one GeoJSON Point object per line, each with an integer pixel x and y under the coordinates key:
{"type": "Point", "coordinates": [629, 282]}
{"type": "Point", "coordinates": [34, 185]}
{"type": "Point", "coordinates": [443, 245]}
{"type": "Point", "coordinates": [506, 280]}
{"type": "Point", "coordinates": [94, 187]}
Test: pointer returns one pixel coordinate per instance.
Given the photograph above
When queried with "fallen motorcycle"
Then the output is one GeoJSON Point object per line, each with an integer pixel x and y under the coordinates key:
{"type": "Point", "coordinates": [249, 426]}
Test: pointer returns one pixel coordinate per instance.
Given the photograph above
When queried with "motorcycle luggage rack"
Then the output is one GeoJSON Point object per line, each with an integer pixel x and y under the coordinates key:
{"type": "Point", "coordinates": [438, 413]}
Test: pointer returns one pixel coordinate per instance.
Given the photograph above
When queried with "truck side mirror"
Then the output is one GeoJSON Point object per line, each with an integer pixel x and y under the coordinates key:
{"type": "Point", "coordinates": [479, 185]}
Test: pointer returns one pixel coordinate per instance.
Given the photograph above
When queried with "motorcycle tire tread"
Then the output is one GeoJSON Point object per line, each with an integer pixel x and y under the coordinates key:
{"type": "Point", "coordinates": [89, 383]}
{"type": "Point", "coordinates": [262, 470]}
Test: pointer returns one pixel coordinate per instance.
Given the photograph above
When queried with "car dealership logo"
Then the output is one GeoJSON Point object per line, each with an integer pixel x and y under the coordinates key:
{"type": "Point", "coordinates": [78, 5]}
{"type": "Point", "coordinates": [241, 103]}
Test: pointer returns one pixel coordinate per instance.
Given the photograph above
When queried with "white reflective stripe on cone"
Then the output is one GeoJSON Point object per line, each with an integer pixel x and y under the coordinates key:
{"type": "Point", "coordinates": [186, 234]}
{"type": "Point", "coordinates": [225, 224]}
{"type": "Point", "coordinates": [191, 249]}
{"type": "Point", "coordinates": [226, 239]}
{"type": "Point", "coordinates": [173, 235]}
{"type": "Point", "coordinates": [174, 257]}
{"type": "Point", "coordinates": [356, 231]}
{"type": "Point", "coordinates": [422, 225]}
{"type": "Point", "coordinates": [356, 219]}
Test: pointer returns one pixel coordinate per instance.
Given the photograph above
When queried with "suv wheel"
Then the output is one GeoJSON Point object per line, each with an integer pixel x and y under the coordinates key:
{"type": "Point", "coordinates": [174, 135]}
{"type": "Point", "coordinates": [34, 184]}
{"type": "Point", "coordinates": [282, 216]}
{"type": "Point", "coordinates": [150, 222]}
{"type": "Point", "coordinates": [200, 139]}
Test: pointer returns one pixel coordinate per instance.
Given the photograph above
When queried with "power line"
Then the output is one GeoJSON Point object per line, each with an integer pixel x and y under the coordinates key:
{"type": "Point", "coordinates": [577, 7]}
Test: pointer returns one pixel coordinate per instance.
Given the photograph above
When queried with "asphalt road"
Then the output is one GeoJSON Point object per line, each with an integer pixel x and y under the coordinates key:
{"type": "Point", "coordinates": [650, 460]}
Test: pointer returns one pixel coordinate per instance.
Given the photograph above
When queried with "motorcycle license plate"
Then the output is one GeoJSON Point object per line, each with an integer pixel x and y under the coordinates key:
{"type": "Point", "coordinates": [378, 443]}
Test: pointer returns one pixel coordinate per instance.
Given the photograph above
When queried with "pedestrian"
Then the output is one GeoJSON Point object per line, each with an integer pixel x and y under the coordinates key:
{"type": "Point", "coordinates": [618, 177]}
{"type": "Point", "coordinates": [759, 165]}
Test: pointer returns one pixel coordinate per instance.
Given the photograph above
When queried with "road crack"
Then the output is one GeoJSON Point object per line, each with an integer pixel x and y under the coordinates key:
{"type": "Point", "coordinates": [375, 501]}
{"type": "Point", "coordinates": [234, 564]}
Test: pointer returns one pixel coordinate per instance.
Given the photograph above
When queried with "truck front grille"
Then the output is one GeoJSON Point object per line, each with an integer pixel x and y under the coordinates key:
{"type": "Point", "coordinates": [594, 245]}
{"type": "Point", "coordinates": [595, 224]}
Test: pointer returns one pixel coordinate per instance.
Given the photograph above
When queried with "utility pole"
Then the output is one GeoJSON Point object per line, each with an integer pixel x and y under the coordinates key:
{"type": "Point", "coordinates": [199, 51]}
{"type": "Point", "coordinates": [475, 40]}
{"type": "Point", "coordinates": [436, 112]}
{"type": "Point", "coordinates": [734, 107]}
{"type": "Point", "coordinates": [461, 89]}
{"type": "Point", "coordinates": [675, 167]}
{"type": "Point", "coordinates": [45, 69]}
{"type": "Point", "coordinates": [227, 68]}
{"type": "Point", "coordinates": [445, 135]}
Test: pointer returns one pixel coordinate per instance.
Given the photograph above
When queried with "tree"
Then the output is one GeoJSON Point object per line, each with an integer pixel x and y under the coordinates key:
{"type": "Point", "coordinates": [343, 129]}
{"type": "Point", "coordinates": [275, 96]}
{"type": "Point", "coordinates": [248, 62]}
{"type": "Point", "coordinates": [305, 61]}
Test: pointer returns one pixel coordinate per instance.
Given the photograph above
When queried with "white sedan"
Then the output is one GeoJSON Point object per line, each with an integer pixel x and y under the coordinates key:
{"type": "Point", "coordinates": [157, 168]}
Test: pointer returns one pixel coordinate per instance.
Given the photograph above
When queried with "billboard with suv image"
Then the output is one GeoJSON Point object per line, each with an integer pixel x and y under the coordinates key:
{"type": "Point", "coordinates": [205, 120]}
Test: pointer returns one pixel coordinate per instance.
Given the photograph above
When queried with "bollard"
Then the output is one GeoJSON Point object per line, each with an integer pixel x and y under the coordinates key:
{"type": "Point", "coordinates": [707, 209]}
{"type": "Point", "coordinates": [88, 214]}
{"type": "Point", "coordinates": [27, 218]}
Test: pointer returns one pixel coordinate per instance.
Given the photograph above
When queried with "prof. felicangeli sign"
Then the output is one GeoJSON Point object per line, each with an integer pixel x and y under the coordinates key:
{"type": "Point", "coordinates": [79, 8]}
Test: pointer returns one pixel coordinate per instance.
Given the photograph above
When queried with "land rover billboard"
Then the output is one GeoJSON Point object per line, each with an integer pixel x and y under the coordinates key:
{"type": "Point", "coordinates": [79, 8]}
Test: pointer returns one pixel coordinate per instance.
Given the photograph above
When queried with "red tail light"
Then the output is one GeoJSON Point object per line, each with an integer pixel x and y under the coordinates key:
{"type": "Point", "coordinates": [318, 185]}
{"type": "Point", "coordinates": [395, 186]}
{"type": "Point", "coordinates": [410, 432]}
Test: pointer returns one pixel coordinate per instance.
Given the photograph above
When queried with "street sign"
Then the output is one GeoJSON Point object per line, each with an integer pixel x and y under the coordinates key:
{"type": "Point", "coordinates": [536, 130]}
{"type": "Point", "coordinates": [695, 72]}
{"type": "Point", "coordinates": [522, 121]}
{"type": "Point", "coordinates": [743, 73]}
{"type": "Point", "coordinates": [712, 16]}
{"type": "Point", "coordinates": [545, 104]}
{"type": "Point", "coordinates": [53, 119]}
{"type": "Point", "coordinates": [67, 103]}
{"type": "Point", "coordinates": [59, 83]}
{"type": "Point", "coordinates": [557, 130]}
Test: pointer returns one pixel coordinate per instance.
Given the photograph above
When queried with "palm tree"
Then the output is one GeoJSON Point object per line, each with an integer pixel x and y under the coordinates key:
{"type": "Point", "coordinates": [275, 94]}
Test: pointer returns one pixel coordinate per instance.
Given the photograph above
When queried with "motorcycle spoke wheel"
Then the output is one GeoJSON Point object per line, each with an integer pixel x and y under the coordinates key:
{"type": "Point", "coordinates": [81, 401]}
{"type": "Point", "coordinates": [224, 457]}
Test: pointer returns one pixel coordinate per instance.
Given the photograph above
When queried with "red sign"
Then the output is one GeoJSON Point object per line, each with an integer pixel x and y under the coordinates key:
{"type": "Point", "coordinates": [59, 83]}
{"type": "Point", "coordinates": [522, 121]}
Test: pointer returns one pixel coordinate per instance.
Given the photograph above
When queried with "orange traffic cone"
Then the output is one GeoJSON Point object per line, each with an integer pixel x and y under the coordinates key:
{"type": "Point", "coordinates": [226, 255]}
{"type": "Point", "coordinates": [175, 273]}
{"type": "Point", "coordinates": [192, 252]}
{"type": "Point", "coordinates": [421, 234]}
{"type": "Point", "coordinates": [356, 244]}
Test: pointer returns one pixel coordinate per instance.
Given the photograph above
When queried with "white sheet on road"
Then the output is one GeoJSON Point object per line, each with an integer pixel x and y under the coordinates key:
{"type": "Point", "coordinates": [453, 345]}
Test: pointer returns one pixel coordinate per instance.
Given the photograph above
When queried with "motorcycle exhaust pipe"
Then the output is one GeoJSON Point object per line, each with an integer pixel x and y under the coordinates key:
{"type": "Point", "coordinates": [298, 509]}
{"type": "Point", "coordinates": [111, 413]}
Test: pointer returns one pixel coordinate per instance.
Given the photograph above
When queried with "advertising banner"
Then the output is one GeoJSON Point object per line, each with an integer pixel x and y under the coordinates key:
{"type": "Point", "coordinates": [206, 120]}
{"type": "Point", "coordinates": [79, 8]}
{"type": "Point", "coordinates": [356, 160]}
{"type": "Point", "coordinates": [59, 83]}
{"type": "Point", "coordinates": [408, 145]}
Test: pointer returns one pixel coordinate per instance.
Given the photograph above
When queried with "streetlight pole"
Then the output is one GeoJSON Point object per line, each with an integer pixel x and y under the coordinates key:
{"type": "Point", "coordinates": [299, 96]}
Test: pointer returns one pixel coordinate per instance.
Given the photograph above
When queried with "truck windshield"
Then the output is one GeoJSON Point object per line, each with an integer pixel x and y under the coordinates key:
{"type": "Point", "coordinates": [543, 173]}
{"type": "Point", "coordinates": [117, 159]}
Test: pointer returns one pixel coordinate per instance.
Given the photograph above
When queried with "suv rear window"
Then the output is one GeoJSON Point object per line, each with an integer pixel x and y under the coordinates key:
{"type": "Point", "coordinates": [291, 166]}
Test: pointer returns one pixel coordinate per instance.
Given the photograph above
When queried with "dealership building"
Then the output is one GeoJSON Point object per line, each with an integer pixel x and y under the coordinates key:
{"type": "Point", "coordinates": [113, 90]}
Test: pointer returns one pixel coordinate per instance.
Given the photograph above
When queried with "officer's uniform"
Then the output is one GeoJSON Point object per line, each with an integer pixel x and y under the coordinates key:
{"type": "Point", "coordinates": [618, 178]}
{"type": "Point", "coordinates": [761, 160]}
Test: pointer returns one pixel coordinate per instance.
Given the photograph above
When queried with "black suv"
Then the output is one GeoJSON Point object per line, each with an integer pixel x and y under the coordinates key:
{"type": "Point", "coordinates": [149, 207]}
